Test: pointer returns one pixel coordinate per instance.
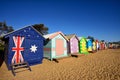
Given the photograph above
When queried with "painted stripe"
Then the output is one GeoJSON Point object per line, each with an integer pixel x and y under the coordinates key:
{"type": "Point", "coordinates": [47, 49]}
{"type": "Point", "coordinates": [53, 49]}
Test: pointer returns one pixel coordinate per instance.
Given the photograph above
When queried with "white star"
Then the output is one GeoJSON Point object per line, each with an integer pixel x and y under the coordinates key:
{"type": "Point", "coordinates": [24, 30]}
{"type": "Point", "coordinates": [33, 48]}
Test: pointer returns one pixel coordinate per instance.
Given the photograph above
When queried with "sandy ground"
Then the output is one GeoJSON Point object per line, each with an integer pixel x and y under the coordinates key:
{"type": "Point", "coordinates": [103, 65]}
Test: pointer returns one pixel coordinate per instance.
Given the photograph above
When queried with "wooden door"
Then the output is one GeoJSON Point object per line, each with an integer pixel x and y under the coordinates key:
{"type": "Point", "coordinates": [59, 47]}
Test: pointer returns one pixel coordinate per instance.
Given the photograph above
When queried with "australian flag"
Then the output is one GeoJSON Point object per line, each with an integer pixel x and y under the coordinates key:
{"type": "Point", "coordinates": [18, 49]}
{"type": "Point", "coordinates": [17, 58]}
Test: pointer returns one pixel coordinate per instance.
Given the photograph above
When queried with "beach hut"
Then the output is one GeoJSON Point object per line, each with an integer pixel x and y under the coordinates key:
{"type": "Point", "coordinates": [97, 45]}
{"type": "Point", "coordinates": [106, 45]}
{"type": "Point", "coordinates": [83, 46]}
{"type": "Point", "coordinates": [24, 45]}
{"type": "Point", "coordinates": [94, 47]}
{"type": "Point", "coordinates": [89, 45]}
{"type": "Point", "coordinates": [56, 46]}
{"type": "Point", "coordinates": [110, 45]}
{"type": "Point", "coordinates": [73, 47]}
{"type": "Point", "coordinates": [102, 45]}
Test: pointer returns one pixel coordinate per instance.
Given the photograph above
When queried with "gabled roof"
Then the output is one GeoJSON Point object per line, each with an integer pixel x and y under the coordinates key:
{"type": "Point", "coordinates": [22, 29]}
{"type": "Point", "coordinates": [81, 37]}
{"type": "Point", "coordinates": [52, 35]}
{"type": "Point", "coordinates": [71, 36]}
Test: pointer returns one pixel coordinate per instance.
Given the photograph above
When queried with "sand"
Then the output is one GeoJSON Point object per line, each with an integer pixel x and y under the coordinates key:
{"type": "Point", "coordinates": [102, 65]}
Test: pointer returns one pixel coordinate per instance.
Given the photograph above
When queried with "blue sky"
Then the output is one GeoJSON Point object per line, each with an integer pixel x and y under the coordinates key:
{"type": "Point", "coordinates": [97, 18]}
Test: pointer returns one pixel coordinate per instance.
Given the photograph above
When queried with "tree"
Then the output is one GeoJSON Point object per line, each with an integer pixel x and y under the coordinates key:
{"type": "Point", "coordinates": [102, 40]}
{"type": "Point", "coordinates": [90, 37]}
{"type": "Point", "coordinates": [41, 28]}
{"type": "Point", "coordinates": [4, 28]}
{"type": "Point", "coordinates": [119, 42]}
{"type": "Point", "coordinates": [10, 29]}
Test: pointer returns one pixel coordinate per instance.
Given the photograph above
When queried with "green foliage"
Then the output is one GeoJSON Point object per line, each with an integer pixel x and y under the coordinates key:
{"type": "Point", "coordinates": [117, 42]}
{"type": "Point", "coordinates": [41, 28]}
{"type": "Point", "coordinates": [1, 46]}
{"type": "Point", "coordinates": [102, 40]}
{"type": "Point", "coordinates": [4, 28]}
{"type": "Point", "coordinates": [90, 37]}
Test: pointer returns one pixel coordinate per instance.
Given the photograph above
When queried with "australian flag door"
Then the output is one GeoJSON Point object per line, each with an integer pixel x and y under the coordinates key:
{"type": "Point", "coordinates": [32, 51]}
{"type": "Point", "coordinates": [18, 50]}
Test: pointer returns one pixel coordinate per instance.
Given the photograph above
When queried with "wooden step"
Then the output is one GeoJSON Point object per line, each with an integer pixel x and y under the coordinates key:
{"type": "Point", "coordinates": [17, 66]}
{"type": "Point", "coordinates": [22, 63]}
{"type": "Point", "coordinates": [22, 66]}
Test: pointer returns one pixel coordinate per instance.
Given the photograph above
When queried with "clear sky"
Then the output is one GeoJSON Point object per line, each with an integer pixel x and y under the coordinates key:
{"type": "Point", "coordinates": [97, 18]}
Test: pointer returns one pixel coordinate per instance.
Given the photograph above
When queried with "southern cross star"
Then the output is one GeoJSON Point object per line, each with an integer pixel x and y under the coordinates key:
{"type": "Point", "coordinates": [33, 48]}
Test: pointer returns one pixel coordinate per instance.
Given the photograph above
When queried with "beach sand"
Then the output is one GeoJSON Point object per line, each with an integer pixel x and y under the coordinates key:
{"type": "Point", "coordinates": [102, 65]}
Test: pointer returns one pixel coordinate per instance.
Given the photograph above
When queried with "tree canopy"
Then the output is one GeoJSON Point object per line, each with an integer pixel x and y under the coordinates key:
{"type": "Point", "coordinates": [4, 28]}
{"type": "Point", "coordinates": [41, 28]}
{"type": "Point", "coordinates": [90, 37]}
{"type": "Point", "coordinates": [102, 40]}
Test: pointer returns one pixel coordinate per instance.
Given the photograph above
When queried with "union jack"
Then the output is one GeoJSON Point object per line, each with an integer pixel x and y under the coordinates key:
{"type": "Point", "coordinates": [17, 58]}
